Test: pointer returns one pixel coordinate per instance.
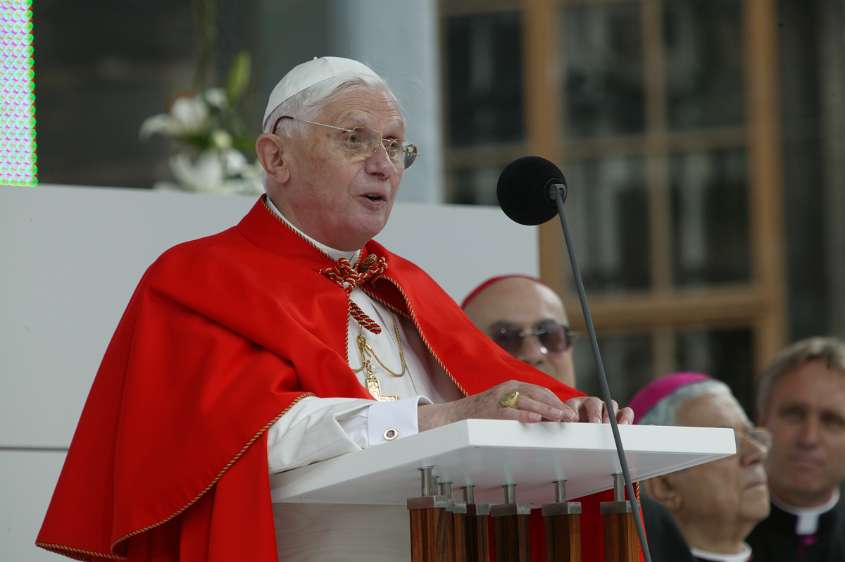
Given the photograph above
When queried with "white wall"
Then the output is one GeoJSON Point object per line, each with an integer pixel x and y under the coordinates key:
{"type": "Point", "coordinates": [70, 258]}
{"type": "Point", "coordinates": [399, 39]}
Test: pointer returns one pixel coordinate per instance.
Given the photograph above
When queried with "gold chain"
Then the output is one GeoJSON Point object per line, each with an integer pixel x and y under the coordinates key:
{"type": "Point", "coordinates": [373, 384]}
{"type": "Point", "coordinates": [364, 349]}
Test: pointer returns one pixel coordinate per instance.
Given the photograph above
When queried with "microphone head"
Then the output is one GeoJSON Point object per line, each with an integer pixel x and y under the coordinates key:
{"type": "Point", "coordinates": [523, 190]}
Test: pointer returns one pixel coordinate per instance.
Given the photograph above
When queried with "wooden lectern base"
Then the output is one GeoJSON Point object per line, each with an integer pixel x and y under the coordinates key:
{"type": "Point", "coordinates": [459, 532]}
{"type": "Point", "coordinates": [431, 535]}
{"type": "Point", "coordinates": [621, 543]}
{"type": "Point", "coordinates": [511, 536]}
{"type": "Point", "coordinates": [477, 534]}
{"type": "Point", "coordinates": [563, 531]}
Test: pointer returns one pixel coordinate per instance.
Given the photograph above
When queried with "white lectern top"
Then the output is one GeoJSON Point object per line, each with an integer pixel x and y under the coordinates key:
{"type": "Point", "coordinates": [491, 453]}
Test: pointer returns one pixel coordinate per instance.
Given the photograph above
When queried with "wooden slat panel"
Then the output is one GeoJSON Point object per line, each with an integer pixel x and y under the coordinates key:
{"type": "Point", "coordinates": [760, 304]}
{"type": "Point", "coordinates": [711, 307]}
{"type": "Point", "coordinates": [472, 7]}
{"type": "Point", "coordinates": [543, 106]}
{"type": "Point", "coordinates": [655, 142]}
{"type": "Point", "coordinates": [765, 172]}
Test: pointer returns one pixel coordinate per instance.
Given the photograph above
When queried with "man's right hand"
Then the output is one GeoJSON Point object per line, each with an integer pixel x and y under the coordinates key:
{"type": "Point", "coordinates": [535, 403]}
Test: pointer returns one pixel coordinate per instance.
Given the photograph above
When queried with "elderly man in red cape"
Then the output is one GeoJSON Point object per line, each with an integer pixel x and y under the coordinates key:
{"type": "Point", "coordinates": [285, 340]}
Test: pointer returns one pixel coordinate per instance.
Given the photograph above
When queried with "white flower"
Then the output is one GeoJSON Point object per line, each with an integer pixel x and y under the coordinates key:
{"type": "Point", "coordinates": [190, 114]}
{"type": "Point", "coordinates": [205, 173]}
{"type": "Point", "coordinates": [216, 97]}
{"type": "Point", "coordinates": [233, 162]}
{"type": "Point", "coordinates": [197, 122]}
{"type": "Point", "coordinates": [214, 171]}
{"type": "Point", "coordinates": [221, 139]}
{"type": "Point", "coordinates": [187, 116]}
{"type": "Point", "coordinates": [161, 124]}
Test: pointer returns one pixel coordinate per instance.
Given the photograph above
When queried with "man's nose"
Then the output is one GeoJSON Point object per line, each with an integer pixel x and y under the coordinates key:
{"type": "Point", "coordinates": [808, 435]}
{"type": "Point", "coordinates": [379, 163]}
{"type": "Point", "coordinates": [753, 452]}
{"type": "Point", "coordinates": [533, 351]}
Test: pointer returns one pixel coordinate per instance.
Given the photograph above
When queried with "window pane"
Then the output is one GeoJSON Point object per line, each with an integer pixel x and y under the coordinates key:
{"type": "Point", "coordinates": [710, 218]}
{"type": "Point", "coordinates": [603, 70]}
{"type": "Point", "coordinates": [607, 208]}
{"type": "Point", "coordinates": [101, 69]}
{"type": "Point", "coordinates": [484, 78]}
{"type": "Point", "coordinates": [725, 354]}
{"type": "Point", "coordinates": [473, 186]}
{"type": "Point", "coordinates": [627, 360]}
{"type": "Point", "coordinates": [703, 45]}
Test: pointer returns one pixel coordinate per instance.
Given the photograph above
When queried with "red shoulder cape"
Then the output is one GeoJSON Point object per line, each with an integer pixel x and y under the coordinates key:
{"type": "Point", "coordinates": [221, 336]}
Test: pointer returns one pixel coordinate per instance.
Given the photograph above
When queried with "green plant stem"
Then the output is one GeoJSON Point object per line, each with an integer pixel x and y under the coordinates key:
{"type": "Point", "coordinates": [205, 21]}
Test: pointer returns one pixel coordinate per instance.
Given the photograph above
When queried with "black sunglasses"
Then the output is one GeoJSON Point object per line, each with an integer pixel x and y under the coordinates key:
{"type": "Point", "coordinates": [554, 337]}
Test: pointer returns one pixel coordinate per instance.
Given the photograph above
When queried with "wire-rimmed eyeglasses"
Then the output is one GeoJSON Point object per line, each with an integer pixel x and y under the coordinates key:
{"type": "Point", "coordinates": [757, 435]}
{"type": "Point", "coordinates": [361, 142]}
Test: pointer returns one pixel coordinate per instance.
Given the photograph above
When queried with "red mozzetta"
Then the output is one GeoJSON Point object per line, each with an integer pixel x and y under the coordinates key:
{"type": "Point", "coordinates": [221, 337]}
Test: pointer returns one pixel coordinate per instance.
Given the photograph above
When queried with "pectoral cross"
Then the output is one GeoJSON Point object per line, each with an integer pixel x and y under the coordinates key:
{"type": "Point", "coordinates": [370, 378]}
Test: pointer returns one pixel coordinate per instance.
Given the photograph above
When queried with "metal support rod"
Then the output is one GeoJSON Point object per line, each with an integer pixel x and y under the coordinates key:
{"type": "Point", "coordinates": [427, 481]}
{"type": "Point", "coordinates": [469, 494]}
{"type": "Point", "coordinates": [618, 488]}
{"type": "Point", "coordinates": [560, 491]}
{"type": "Point", "coordinates": [510, 493]}
{"type": "Point", "coordinates": [560, 197]}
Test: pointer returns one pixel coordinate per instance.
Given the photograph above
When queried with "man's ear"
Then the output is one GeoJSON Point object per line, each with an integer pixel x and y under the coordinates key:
{"type": "Point", "coordinates": [273, 157]}
{"type": "Point", "coordinates": [664, 491]}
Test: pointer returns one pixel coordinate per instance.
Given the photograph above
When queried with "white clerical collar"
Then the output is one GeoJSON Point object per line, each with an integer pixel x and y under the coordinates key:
{"type": "Point", "coordinates": [743, 555]}
{"type": "Point", "coordinates": [808, 517]}
{"type": "Point", "coordinates": [329, 251]}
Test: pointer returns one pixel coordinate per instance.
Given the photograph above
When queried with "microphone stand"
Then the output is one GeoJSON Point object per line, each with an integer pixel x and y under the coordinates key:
{"type": "Point", "coordinates": [557, 191]}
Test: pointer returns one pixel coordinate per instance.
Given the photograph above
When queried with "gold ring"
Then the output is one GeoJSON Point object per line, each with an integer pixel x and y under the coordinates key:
{"type": "Point", "coordinates": [509, 400]}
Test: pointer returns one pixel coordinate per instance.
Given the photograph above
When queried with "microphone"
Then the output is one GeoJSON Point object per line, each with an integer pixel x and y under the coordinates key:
{"type": "Point", "coordinates": [531, 190]}
{"type": "Point", "coordinates": [526, 190]}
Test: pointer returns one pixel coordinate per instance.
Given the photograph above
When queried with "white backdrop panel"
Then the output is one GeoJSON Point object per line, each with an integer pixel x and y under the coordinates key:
{"type": "Point", "coordinates": [27, 480]}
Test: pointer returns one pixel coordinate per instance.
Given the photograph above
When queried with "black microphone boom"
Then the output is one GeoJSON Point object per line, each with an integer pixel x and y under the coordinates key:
{"type": "Point", "coordinates": [526, 190]}
{"type": "Point", "coordinates": [532, 190]}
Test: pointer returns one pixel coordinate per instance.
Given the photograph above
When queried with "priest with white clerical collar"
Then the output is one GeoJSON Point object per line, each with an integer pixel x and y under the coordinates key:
{"type": "Point", "coordinates": [801, 401]}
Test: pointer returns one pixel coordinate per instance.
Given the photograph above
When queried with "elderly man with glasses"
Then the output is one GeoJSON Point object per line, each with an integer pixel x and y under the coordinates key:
{"type": "Point", "coordinates": [715, 505]}
{"type": "Point", "coordinates": [288, 339]}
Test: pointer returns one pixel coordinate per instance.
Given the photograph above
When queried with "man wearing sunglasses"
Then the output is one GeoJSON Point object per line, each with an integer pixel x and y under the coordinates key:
{"type": "Point", "coordinates": [527, 319]}
{"type": "Point", "coordinates": [286, 340]}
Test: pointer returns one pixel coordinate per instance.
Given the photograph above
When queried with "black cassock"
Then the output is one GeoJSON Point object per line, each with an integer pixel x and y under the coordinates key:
{"type": "Point", "coordinates": [775, 539]}
{"type": "Point", "coordinates": [665, 541]}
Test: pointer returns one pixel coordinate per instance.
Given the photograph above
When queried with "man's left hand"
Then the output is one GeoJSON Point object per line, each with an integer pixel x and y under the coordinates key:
{"type": "Point", "coordinates": [591, 409]}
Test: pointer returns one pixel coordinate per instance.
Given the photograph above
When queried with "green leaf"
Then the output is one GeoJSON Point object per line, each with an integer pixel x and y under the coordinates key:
{"type": "Point", "coordinates": [246, 145]}
{"type": "Point", "coordinates": [239, 75]}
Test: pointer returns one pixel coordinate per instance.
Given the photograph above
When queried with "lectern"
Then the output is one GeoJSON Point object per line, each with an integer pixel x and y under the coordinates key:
{"type": "Point", "coordinates": [444, 484]}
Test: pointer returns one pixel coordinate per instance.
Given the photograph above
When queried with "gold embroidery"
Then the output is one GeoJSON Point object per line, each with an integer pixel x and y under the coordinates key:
{"type": "Point", "coordinates": [413, 317]}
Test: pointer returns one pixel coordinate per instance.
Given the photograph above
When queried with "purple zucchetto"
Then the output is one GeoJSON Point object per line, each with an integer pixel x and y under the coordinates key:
{"type": "Point", "coordinates": [658, 389]}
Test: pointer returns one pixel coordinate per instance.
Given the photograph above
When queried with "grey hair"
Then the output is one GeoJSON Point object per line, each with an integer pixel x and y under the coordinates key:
{"type": "Point", "coordinates": [308, 103]}
{"type": "Point", "coordinates": [665, 412]}
{"type": "Point", "coordinates": [829, 350]}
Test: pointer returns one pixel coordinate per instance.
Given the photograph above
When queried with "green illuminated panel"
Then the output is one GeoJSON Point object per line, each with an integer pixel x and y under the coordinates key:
{"type": "Point", "coordinates": [17, 94]}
